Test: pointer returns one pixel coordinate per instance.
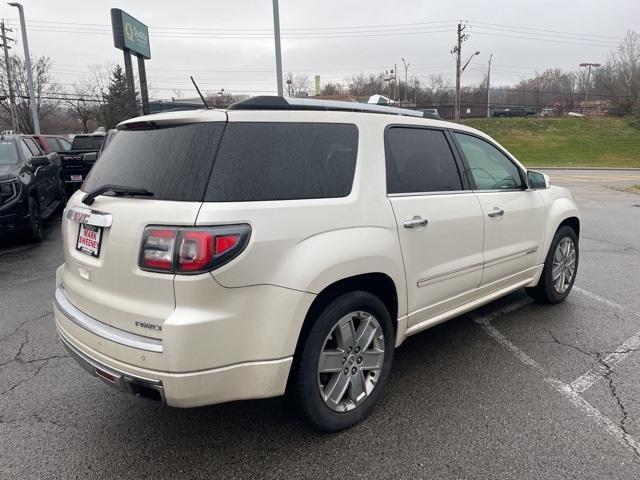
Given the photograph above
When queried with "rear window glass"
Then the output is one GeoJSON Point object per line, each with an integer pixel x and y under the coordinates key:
{"type": "Point", "coordinates": [8, 153]}
{"type": "Point", "coordinates": [87, 143]}
{"type": "Point", "coordinates": [52, 144]}
{"type": "Point", "coordinates": [173, 163]}
{"type": "Point", "coordinates": [284, 161]}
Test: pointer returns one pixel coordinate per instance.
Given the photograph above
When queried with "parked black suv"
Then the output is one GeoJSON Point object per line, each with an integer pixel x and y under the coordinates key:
{"type": "Point", "coordinates": [31, 185]}
{"type": "Point", "coordinates": [77, 161]}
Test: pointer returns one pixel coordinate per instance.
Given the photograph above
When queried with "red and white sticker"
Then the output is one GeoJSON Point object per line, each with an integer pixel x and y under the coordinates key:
{"type": "Point", "coordinates": [89, 237]}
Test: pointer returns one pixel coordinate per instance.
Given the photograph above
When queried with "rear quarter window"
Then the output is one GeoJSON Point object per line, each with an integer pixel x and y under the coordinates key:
{"type": "Point", "coordinates": [284, 161]}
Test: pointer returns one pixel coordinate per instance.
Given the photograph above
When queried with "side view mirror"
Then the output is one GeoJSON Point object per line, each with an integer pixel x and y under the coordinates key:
{"type": "Point", "coordinates": [90, 157]}
{"type": "Point", "coordinates": [538, 180]}
{"type": "Point", "coordinates": [42, 161]}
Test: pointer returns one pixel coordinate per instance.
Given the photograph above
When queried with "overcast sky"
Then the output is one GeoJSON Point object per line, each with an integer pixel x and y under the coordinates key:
{"type": "Point", "coordinates": [228, 44]}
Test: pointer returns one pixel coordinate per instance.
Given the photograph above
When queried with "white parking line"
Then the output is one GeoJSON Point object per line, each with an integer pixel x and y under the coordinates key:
{"type": "Point", "coordinates": [630, 345]}
{"type": "Point", "coordinates": [567, 391]}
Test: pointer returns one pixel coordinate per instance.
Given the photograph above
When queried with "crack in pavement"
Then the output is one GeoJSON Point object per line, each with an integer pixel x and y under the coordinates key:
{"type": "Point", "coordinates": [607, 371]}
{"type": "Point", "coordinates": [23, 323]}
{"type": "Point", "coordinates": [627, 247]}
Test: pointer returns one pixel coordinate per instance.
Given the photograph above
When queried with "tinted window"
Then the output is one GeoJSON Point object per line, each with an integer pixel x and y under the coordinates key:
{"type": "Point", "coordinates": [33, 146]}
{"type": "Point", "coordinates": [8, 153]}
{"type": "Point", "coordinates": [174, 163]}
{"type": "Point", "coordinates": [52, 144]}
{"type": "Point", "coordinates": [26, 151]}
{"type": "Point", "coordinates": [491, 169]}
{"type": "Point", "coordinates": [284, 161]}
{"type": "Point", "coordinates": [419, 160]}
{"type": "Point", "coordinates": [65, 145]}
{"type": "Point", "coordinates": [87, 143]}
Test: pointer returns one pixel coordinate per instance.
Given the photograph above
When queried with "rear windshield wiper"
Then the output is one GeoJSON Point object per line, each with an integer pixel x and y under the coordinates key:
{"type": "Point", "coordinates": [90, 197]}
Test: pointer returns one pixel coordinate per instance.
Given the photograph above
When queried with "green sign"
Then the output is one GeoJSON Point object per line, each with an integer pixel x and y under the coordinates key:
{"type": "Point", "coordinates": [130, 33]}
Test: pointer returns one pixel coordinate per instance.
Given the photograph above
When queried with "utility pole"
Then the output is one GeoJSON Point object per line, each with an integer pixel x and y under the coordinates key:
{"type": "Point", "coordinates": [7, 61]}
{"type": "Point", "coordinates": [395, 82]}
{"type": "Point", "coordinates": [27, 60]}
{"type": "Point", "coordinates": [276, 34]}
{"type": "Point", "coordinates": [489, 87]}
{"type": "Point", "coordinates": [457, 51]}
{"type": "Point", "coordinates": [406, 79]}
{"type": "Point", "coordinates": [586, 88]}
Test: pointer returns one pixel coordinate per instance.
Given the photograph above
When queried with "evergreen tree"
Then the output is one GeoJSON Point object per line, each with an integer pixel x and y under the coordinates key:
{"type": "Point", "coordinates": [116, 103]}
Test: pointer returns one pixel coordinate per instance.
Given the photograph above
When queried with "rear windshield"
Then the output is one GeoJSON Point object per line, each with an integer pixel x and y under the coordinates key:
{"type": "Point", "coordinates": [284, 161]}
{"type": "Point", "coordinates": [8, 153]}
{"type": "Point", "coordinates": [255, 161]}
{"type": "Point", "coordinates": [87, 143]}
{"type": "Point", "coordinates": [173, 163]}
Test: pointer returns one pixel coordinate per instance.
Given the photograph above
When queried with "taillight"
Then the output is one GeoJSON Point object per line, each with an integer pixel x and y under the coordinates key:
{"type": "Point", "coordinates": [190, 250]}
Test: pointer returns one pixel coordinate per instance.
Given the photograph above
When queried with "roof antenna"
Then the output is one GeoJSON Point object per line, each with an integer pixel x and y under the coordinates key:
{"type": "Point", "coordinates": [199, 93]}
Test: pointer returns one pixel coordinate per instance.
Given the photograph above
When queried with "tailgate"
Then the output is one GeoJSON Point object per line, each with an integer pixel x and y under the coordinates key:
{"type": "Point", "coordinates": [110, 287]}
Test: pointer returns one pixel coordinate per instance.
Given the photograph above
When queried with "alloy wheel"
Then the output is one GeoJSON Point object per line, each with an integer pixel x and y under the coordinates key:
{"type": "Point", "coordinates": [351, 361]}
{"type": "Point", "coordinates": [564, 265]}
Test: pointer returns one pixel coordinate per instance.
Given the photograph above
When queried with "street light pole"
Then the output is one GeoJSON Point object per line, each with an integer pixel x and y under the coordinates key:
{"type": "Point", "coordinates": [276, 34]}
{"type": "Point", "coordinates": [27, 60]}
{"type": "Point", "coordinates": [586, 88]}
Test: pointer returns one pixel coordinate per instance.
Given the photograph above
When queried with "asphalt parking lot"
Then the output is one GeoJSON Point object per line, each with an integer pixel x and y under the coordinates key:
{"type": "Point", "coordinates": [513, 390]}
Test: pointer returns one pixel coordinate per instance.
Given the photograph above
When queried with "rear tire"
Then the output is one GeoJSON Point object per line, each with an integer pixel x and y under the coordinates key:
{"type": "Point", "coordinates": [343, 362]}
{"type": "Point", "coordinates": [35, 221]}
{"type": "Point", "coordinates": [560, 268]}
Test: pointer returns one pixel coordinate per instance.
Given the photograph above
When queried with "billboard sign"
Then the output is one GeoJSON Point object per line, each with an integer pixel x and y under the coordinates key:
{"type": "Point", "coordinates": [130, 33]}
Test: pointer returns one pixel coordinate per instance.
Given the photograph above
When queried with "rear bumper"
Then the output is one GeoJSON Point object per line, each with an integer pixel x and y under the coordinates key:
{"type": "Point", "coordinates": [174, 369]}
{"type": "Point", "coordinates": [184, 390]}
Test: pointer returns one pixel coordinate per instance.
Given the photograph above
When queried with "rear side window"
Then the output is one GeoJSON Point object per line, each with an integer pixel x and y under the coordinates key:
{"type": "Point", "coordinates": [419, 160]}
{"type": "Point", "coordinates": [31, 144]}
{"type": "Point", "coordinates": [173, 163]}
{"type": "Point", "coordinates": [284, 161]}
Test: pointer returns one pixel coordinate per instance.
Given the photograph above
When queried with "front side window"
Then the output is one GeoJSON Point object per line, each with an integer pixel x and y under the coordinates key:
{"type": "Point", "coordinates": [284, 161]}
{"type": "Point", "coordinates": [490, 168]}
{"type": "Point", "coordinates": [419, 160]}
{"type": "Point", "coordinates": [52, 144]}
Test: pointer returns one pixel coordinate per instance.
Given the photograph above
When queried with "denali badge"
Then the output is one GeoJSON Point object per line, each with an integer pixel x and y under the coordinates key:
{"type": "Point", "coordinates": [150, 326]}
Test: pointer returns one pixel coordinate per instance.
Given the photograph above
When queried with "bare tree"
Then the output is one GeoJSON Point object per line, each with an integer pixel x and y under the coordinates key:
{"type": "Point", "coordinates": [84, 104]}
{"type": "Point", "coordinates": [297, 85]}
{"type": "Point", "coordinates": [48, 93]}
{"type": "Point", "coordinates": [620, 77]}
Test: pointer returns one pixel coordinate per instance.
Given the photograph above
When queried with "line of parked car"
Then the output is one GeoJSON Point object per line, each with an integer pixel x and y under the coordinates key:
{"type": "Point", "coordinates": [37, 175]}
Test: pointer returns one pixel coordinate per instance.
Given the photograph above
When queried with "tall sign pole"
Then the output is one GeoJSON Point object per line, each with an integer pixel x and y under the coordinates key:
{"type": "Point", "coordinates": [489, 86]}
{"type": "Point", "coordinates": [132, 37]}
{"type": "Point", "coordinates": [7, 61]}
{"type": "Point", "coordinates": [27, 61]}
{"type": "Point", "coordinates": [276, 34]}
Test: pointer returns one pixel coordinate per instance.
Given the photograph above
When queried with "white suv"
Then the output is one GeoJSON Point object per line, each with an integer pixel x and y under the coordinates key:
{"type": "Point", "coordinates": [291, 245]}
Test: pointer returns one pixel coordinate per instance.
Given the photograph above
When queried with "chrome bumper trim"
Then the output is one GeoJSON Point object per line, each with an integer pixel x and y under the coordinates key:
{"type": "Point", "coordinates": [103, 330]}
{"type": "Point", "coordinates": [116, 379]}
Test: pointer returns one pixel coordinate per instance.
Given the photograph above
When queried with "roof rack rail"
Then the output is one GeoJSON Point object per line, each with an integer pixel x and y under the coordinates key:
{"type": "Point", "coordinates": [268, 102]}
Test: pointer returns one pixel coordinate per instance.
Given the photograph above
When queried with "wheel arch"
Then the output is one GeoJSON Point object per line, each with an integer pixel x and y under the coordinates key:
{"type": "Point", "coordinates": [377, 283]}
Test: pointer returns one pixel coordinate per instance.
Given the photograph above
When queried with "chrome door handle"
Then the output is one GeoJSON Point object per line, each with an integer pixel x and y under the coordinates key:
{"type": "Point", "coordinates": [416, 222]}
{"type": "Point", "coordinates": [496, 212]}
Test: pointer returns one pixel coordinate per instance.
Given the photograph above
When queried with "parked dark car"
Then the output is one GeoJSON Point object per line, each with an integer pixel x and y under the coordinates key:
{"type": "Point", "coordinates": [430, 113]}
{"type": "Point", "coordinates": [77, 162]}
{"type": "Point", "coordinates": [515, 112]}
{"type": "Point", "coordinates": [31, 185]}
{"type": "Point", "coordinates": [52, 143]}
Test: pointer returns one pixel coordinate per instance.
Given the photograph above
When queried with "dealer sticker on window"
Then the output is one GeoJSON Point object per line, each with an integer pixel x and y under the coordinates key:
{"type": "Point", "coordinates": [89, 237]}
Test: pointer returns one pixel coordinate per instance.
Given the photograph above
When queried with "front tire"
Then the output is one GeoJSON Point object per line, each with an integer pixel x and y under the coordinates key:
{"type": "Point", "coordinates": [35, 221]}
{"type": "Point", "coordinates": [560, 268]}
{"type": "Point", "coordinates": [344, 362]}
